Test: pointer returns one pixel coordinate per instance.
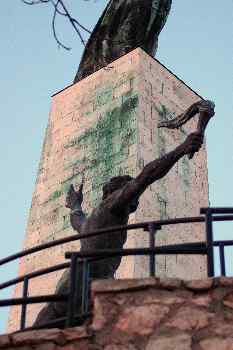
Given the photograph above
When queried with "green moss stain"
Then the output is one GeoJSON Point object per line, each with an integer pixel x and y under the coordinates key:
{"type": "Point", "coordinates": [164, 112]}
{"type": "Point", "coordinates": [161, 143]}
{"type": "Point", "coordinates": [103, 97]}
{"type": "Point", "coordinates": [66, 222]}
{"type": "Point", "coordinates": [162, 206]}
{"type": "Point", "coordinates": [161, 149]}
{"type": "Point", "coordinates": [184, 164]}
{"type": "Point", "coordinates": [55, 195]}
{"type": "Point", "coordinates": [106, 147]}
{"type": "Point", "coordinates": [185, 173]}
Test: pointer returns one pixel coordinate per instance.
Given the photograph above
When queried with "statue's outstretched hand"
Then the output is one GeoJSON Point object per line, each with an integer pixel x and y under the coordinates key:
{"type": "Point", "coordinates": [73, 197]}
{"type": "Point", "coordinates": [207, 107]}
{"type": "Point", "coordinates": [193, 143]}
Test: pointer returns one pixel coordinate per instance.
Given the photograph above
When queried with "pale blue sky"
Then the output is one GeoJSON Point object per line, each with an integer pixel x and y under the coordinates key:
{"type": "Point", "coordinates": [196, 45]}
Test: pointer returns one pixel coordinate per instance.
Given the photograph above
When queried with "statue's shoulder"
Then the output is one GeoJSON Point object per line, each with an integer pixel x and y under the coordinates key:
{"type": "Point", "coordinates": [106, 204]}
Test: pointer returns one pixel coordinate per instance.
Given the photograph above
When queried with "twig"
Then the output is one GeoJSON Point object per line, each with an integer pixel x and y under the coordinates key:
{"type": "Point", "coordinates": [62, 12]}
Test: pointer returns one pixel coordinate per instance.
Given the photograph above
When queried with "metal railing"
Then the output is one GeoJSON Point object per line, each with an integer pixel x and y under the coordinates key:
{"type": "Point", "coordinates": [206, 247]}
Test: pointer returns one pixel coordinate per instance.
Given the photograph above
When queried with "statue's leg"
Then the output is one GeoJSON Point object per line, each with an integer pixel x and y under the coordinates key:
{"type": "Point", "coordinates": [99, 270]}
{"type": "Point", "coordinates": [45, 315]}
{"type": "Point", "coordinates": [63, 287]}
{"type": "Point", "coordinates": [55, 310]}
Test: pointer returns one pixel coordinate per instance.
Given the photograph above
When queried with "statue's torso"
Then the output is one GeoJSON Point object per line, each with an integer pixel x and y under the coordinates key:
{"type": "Point", "coordinates": [103, 217]}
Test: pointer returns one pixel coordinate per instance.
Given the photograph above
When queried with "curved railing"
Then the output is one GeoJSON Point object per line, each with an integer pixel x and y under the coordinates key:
{"type": "Point", "coordinates": [206, 247]}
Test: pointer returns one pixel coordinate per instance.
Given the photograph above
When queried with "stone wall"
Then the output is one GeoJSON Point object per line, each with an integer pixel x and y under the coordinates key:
{"type": "Point", "coordinates": [106, 125]}
{"type": "Point", "coordinates": [147, 314]}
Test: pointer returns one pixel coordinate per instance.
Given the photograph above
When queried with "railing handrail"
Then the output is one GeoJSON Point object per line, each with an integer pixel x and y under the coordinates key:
{"type": "Point", "coordinates": [144, 225]}
{"type": "Point", "coordinates": [96, 233]}
{"type": "Point", "coordinates": [201, 247]}
{"type": "Point", "coordinates": [34, 300]}
{"type": "Point", "coordinates": [34, 274]}
{"type": "Point", "coordinates": [217, 210]}
{"type": "Point", "coordinates": [226, 242]}
{"type": "Point", "coordinates": [193, 248]}
{"type": "Point", "coordinates": [185, 248]}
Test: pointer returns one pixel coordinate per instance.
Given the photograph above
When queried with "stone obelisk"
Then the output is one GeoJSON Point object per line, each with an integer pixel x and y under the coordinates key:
{"type": "Point", "coordinates": [103, 126]}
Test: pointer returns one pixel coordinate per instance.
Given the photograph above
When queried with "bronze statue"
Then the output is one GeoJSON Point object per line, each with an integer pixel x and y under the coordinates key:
{"type": "Point", "coordinates": [120, 198]}
{"type": "Point", "coordinates": [123, 26]}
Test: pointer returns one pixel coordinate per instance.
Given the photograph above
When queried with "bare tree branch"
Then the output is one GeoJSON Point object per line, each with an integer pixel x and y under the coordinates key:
{"type": "Point", "coordinates": [62, 11]}
{"type": "Point", "coordinates": [54, 28]}
{"type": "Point", "coordinates": [35, 2]}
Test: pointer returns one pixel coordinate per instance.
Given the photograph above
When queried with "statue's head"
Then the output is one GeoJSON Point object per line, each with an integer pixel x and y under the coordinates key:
{"type": "Point", "coordinates": [117, 183]}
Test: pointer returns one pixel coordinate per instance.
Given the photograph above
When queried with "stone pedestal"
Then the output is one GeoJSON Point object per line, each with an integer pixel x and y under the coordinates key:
{"type": "Point", "coordinates": [145, 314]}
{"type": "Point", "coordinates": [103, 126]}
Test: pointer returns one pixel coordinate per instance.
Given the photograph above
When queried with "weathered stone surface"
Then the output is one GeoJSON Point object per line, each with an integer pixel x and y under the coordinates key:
{"type": "Point", "coordinates": [223, 328]}
{"type": "Point", "coordinates": [24, 347]}
{"type": "Point", "coordinates": [141, 320]}
{"type": "Point", "coordinates": [225, 281]}
{"type": "Point", "coordinates": [72, 346]}
{"type": "Point", "coordinates": [75, 333]}
{"type": "Point", "coordinates": [46, 346]}
{"type": "Point", "coordinates": [202, 300]}
{"type": "Point", "coordinates": [181, 341]}
{"type": "Point", "coordinates": [4, 340]}
{"type": "Point", "coordinates": [120, 347]}
{"type": "Point", "coordinates": [146, 318]}
{"type": "Point", "coordinates": [123, 285]}
{"type": "Point", "coordinates": [217, 344]}
{"type": "Point", "coordinates": [170, 283]}
{"type": "Point", "coordinates": [199, 285]}
{"type": "Point", "coordinates": [36, 337]}
{"type": "Point", "coordinates": [161, 297]}
{"type": "Point", "coordinates": [100, 316]}
{"type": "Point", "coordinates": [84, 345]}
{"type": "Point", "coordinates": [228, 300]}
{"type": "Point", "coordinates": [218, 294]}
{"type": "Point", "coordinates": [189, 318]}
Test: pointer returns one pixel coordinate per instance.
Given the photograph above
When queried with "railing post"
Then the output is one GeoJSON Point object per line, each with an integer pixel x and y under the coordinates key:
{"type": "Point", "coordinates": [88, 288]}
{"type": "Point", "coordinates": [222, 259]}
{"type": "Point", "coordinates": [209, 240]}
{"type": "Point", "coordinates": [85, 286]}
{"type": "Point", "coordinates": [24, 306]}
{"type": "Point", "coordinates": [72, 291]}
{"type": "Point", "coordinates": [152, 228]}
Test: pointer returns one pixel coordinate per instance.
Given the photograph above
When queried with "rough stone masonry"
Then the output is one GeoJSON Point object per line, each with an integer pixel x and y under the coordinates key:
{"type": "Point", "coordinates": [145, 314]}
{"type": "Point", "coordinates": [103, 126]}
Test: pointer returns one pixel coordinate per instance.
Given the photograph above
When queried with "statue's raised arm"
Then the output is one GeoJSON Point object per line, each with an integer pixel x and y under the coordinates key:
{"type": "Point", "coordinates": [205, 108]}
{"type": "Point", "coordinates": [158, 168]}
{"type": "Point", "coordinates": [74, 200]}
{"type": "Point", "coordinates": [155, 170]}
